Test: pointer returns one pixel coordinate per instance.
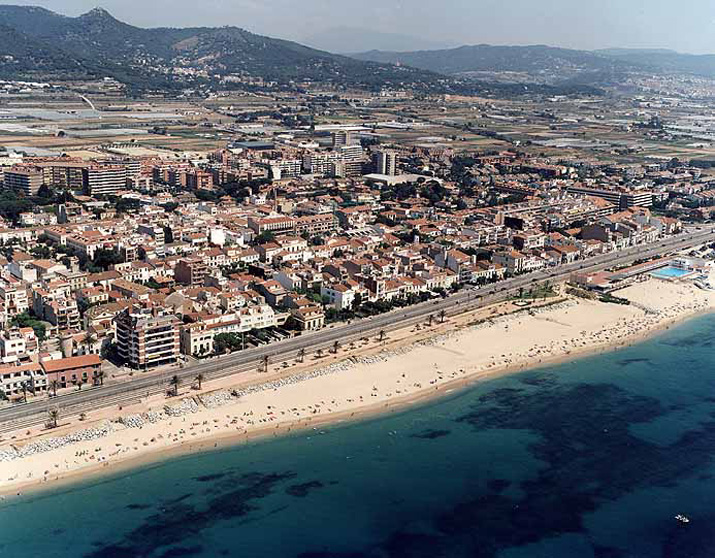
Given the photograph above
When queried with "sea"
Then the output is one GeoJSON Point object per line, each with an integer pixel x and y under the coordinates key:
{"type": "Point", "coordinates": [590, 459]}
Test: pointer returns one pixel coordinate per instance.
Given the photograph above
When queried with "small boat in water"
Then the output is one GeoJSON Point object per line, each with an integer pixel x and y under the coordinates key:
{"type": "Point", "coordinates": [682, 518]}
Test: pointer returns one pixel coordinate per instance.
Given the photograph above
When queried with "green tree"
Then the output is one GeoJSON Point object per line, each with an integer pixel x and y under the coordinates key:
{"type": "Point", "coordinates": [103, 259]}
{"type": "Point", "coordinates": [27, 320]}
{"type": "Point", "coordinates": [265, 237]}
{"type": "Point", "coordinates": [54, 416]}
{"type": "Point", "coordinates": [226, 343]}
{"type": "Point", "coordinates": [99, 377]}
{"type": "Point", "coordinates": [175, 382]}
{"type": "Point", "coordinates": [25, 387]}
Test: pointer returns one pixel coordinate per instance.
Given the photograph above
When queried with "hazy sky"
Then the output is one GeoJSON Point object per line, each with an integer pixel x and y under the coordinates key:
{"type": "Point", "coordinates": [685, 25]}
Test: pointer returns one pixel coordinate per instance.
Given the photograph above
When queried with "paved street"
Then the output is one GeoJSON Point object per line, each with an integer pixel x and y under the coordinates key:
{"type": "Point", "coordinates": [32, 413]}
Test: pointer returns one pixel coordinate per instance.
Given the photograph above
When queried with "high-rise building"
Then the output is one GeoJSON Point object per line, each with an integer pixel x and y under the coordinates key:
{"type": "Point", "coordinates": [385, 162]}
{"type": "Point", "coordinates": [352, 159]}
{"type": "Point", "coordinates": [320, 163]}
{"type": "Point", "coordinates": [25, 180]}
{"type": "Point", "coordinates": [147, 337]}
{"type": "Point", "coordinates": [105, 180]}
{"type": "Point", "coordinates": [344, 137]}
{"type": "Point", "coordinates": [64, 173]}
{"type": "Point", "coordinates": [285, 168]}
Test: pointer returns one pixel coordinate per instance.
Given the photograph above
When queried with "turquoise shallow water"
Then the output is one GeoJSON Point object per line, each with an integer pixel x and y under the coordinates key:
{"type": "Point", "coordinates": [588, 459]}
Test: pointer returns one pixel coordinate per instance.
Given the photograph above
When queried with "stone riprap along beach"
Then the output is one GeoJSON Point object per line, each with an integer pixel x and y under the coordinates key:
{"type": "Point", "coordinates": [370, 378]}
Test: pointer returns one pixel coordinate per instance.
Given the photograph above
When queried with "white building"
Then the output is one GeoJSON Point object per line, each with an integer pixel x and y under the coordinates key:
{"type": "Point", "coordinates": [340, 295]}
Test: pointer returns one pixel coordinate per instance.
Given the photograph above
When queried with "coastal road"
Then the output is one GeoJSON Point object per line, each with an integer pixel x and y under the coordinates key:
{"type": "Point", "coordinates": [33, 413]}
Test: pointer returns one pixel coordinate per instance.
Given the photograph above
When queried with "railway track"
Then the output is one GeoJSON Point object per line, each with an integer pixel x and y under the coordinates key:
{"type": "Point", "coordinates": [34, 413]}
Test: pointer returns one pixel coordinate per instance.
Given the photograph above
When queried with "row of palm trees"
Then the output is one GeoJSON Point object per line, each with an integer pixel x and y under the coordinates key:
{"type": "Point", "coordinates": [334, 349]}
{"type": "Point", "coordinates": [175, 381]}
{"type": "Point", "coordinates": [442, 317]}
{"type": "Point", "coordinates": [98, 379]}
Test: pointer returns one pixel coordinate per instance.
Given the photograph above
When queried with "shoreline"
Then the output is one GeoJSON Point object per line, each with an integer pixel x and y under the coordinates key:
{"type": "Point", "coordinates": [213, 439]}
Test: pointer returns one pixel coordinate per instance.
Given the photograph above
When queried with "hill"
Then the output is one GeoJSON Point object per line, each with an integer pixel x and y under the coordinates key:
{"type": "Point", "coordinates": [40, 43]}
{"type": "Point", "coordinates": [538, 63]}
{"type": "Point", "coordinates": [551, 65]}
{"type": "Point", "coordinates": [667, 60]}
{"type": "Point", "coordinates": [345, 40]}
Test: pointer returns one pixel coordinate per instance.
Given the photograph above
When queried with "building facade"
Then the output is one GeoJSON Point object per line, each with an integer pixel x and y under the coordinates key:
{"type": "Point", "coordinates": [147, 337]}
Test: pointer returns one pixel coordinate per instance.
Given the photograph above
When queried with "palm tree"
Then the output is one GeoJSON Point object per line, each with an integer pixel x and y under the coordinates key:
{"type": "Point", "coordinates": [99, 377]}
{"type": "Point", "coordinates": [301, 355]}
{"type": "Point", "coordinates": [175, 382]}
{"type": "Point", "coordinates": [382, 335]}
{"type": "Point", "coordinates": [24, 387]}
{"type": "Point", "coordinates": [54, 384]}
{"type": "Point", "coordinates": [319, 352]}
{"type": "Point", "coordinates": [442, 315]}
{"type": "Point", "coordinates": [431, 319]}
{"type": "Point", "coordinates": [336, 346]}
{"type": "Point", "coordinates": [79, 382]}
{"type": "Point", "coordinates": [88, 339]}
{"type": "Point", "coordinates": [265, 363]}
{"type": "Point", "coordinates": [199, 380]}
{"type": "Point", "coordinates": [54, 416]}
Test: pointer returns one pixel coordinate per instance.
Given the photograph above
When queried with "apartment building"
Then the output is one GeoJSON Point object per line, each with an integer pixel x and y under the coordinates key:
{"type": "Point", "coordinates": [13, 346]}
{"type": "Point", "coordinates": [24, 180]}
{"type": "Point", "coordinates": [59, 310]}
{"type": "Point", "coordinates": [342, 138]}
{"type": "Point", "coordinates": [621, 199]}
{"type": "Point", "coordinates": [285, 168]}
{"type": "Point", "coordinates": [16, 380]}
{"type": "Point", "coordinates": [147, 337]}
{"type": "Point", "coordinates": [191, 271]}
{"type": "Point", "coordinates": [351, 157]}
{"type": "Point", "coordinates": [14, 297]}
{"type": "Point", "coordinates": [322, 164]}
{"type": "Point", "coordinates": [65, 174]}
{"type": "Point", "coordinates": [340, 295]}
{"type": "Point", "coordinates": [324, 223]}
{"type": "Point", "coordinates": [198, 339]}
{"type": "Point", "coordinates": [272, 224]}
{"type": "Point", "coordinates": [385, 162]}
{"type": "Point", "coordinates": [105, 180]}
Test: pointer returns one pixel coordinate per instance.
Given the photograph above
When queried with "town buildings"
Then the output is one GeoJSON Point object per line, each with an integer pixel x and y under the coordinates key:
{"type": "Point", "coordinates": [148, 260]}
{"type": "Point", "coordinates": [147, 337]}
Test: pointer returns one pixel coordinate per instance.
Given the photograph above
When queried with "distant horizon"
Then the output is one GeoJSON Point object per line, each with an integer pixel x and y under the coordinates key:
{"type": "Point", "coordinates": [613, 24]}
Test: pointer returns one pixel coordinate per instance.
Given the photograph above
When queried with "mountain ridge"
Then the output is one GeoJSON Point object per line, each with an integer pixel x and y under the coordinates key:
{"type": "Point", "coordinates": [568, 64]}
{"type": "Point", "coordinates": [186, 57]}
{"type": "Point", "coordinates": [348, 40]}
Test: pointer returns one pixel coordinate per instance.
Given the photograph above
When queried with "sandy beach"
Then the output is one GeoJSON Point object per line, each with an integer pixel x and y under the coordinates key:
{"type": "Point", "coordinates": [365, 379]}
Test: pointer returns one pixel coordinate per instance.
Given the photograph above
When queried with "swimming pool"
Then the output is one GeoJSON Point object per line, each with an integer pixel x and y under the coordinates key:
{"type": "Point", "coordinates": [671, 272]}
